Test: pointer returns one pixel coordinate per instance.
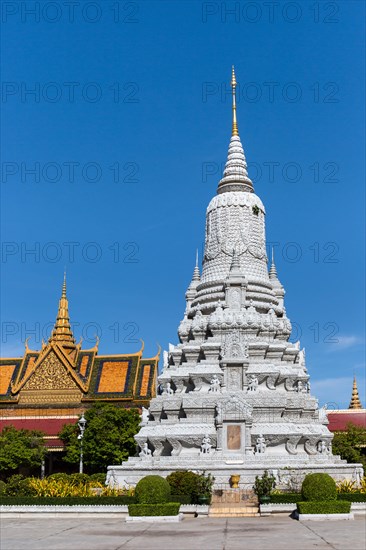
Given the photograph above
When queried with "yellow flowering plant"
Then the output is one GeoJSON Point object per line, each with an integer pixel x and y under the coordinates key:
{"type": "Point", "coordinates": [65, 488]}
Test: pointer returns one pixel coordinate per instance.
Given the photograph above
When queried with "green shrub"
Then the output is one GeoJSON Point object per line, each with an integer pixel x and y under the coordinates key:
{"type": "Point", "coordinates": [13, 485]}
{"type": "Point", "coordinates": [183, 499]}
{"type": "Point", "coordinates": [319, 487]}
{"type": "Point", "coordinates": [59, 476]}
{"type": "Point", "coordinates": [79, 479]}
{"type": "Point", "coordinates": [99, 478]}
{"type": "Point", "coordinates": [161, 509]}
{"type": "Point", "coordinates": [264, 485]}
{"type": "Point", "coordinates": [184, 482]}
{"type": "Point", "coordinates": [2, 488]}
{"type": "Point", "coordinates": [18, 485]}
{"type": "Point", "coordinates": [152, 490]}
{"type": "Point", "coordinates": [67, 501]}
{"type": "Point", "coordinates": [352, 497]}
{"type": "Point", "coordinates": [190, 484]}
{"type": "Point", "coordinates": [324, 507]}
{"type": "Point", "coordinates": [286, 498]}
{"type": "Point", "coordinates": [205, 484]}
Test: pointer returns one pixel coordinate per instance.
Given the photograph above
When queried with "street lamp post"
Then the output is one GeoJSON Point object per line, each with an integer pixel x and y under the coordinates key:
{"type": "Point", "coordinates": [81, 424]}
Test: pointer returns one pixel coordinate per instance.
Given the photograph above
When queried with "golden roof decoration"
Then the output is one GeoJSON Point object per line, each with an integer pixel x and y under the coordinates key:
{"type": "Point", "coordinates": [235, 130]}
{"type": "Point", "coordinates": [355, 399]}
{"type": "Point", "coordinates": [62, 333]}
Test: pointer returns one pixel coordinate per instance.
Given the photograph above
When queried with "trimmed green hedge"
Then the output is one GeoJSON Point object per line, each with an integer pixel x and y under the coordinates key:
{"type": "Point", "coordinates": [163, 509]}
{"type": "Point", "coordinates": [289, 498]}
{"type": "Point", "coordinates": [286, 498]}
{"type": "Point", "coordinates": [182, 499]}
{"type": "Point", "coordinates": [152, 490]}
{"type": "Point", "coordinates": [67, 501]}
{"type": "Point", "coordinates": [319, 487]}
{"type": "Point", "coordinates": [324, 507]}
{"type": "Point", "coordinates": [352, 497]}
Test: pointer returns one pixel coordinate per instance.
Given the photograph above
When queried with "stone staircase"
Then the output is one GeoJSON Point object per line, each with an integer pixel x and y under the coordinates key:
{"type": "Point", "coordinates": [233, 511]}
{"type": "Point", "coordinates": [233, 503]}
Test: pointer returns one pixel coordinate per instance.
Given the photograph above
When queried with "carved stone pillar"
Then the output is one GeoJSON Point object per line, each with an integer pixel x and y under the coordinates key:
{"type": "Point", "coordinates": [219, 436]}
{"type": "Point", "coordinates": [248, 446]}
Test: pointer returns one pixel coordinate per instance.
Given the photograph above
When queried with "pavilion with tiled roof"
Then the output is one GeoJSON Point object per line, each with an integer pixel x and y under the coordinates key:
{"type": "Point", "coordinates": [46, 389]}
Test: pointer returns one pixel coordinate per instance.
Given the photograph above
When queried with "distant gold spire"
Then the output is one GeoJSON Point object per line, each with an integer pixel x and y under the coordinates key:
{"type": "Point", "coordinates": [235, 131]}
{"type": "Point", "coordinates": [62, 333]}
{"type": "Point", "coordinates": [355, 400]}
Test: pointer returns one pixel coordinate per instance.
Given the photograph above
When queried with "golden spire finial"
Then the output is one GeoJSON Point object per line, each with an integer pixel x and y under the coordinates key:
{"type": "Point", "coordinates": [355, 400]}
{"type": "Point", "coordinates": [64, 286]}
{"type": "Point", "coordinates": [235, 131]}
{"type": "Point", "coordinates": [62, 332]}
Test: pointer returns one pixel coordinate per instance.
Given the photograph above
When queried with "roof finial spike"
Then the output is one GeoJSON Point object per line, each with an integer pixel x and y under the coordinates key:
{"type": "Point", "coordinates": [196, 272]}
{"type": "Point", "coordinates": [235, 177]}
{"type": "Point", "coordinates": [62, 332]}
{"type": "Point", "coordinates": [64, 286]}
{"type": "Point", "coordinates": [355, 399]}
{"type": "Point", "coordinates": [235, 130]}
{"type": "Point", "coordinates": [273, 270]}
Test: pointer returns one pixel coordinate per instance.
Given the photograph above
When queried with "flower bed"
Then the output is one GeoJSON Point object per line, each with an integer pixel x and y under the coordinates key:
{"type": "Point", "coordinates": [285, 498]}
{"type": "Point", "coordinates": [67, 501]}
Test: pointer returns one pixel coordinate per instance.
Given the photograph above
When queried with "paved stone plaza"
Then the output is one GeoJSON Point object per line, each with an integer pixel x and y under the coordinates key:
{"type": "Point", "coordinates": [191, 534]}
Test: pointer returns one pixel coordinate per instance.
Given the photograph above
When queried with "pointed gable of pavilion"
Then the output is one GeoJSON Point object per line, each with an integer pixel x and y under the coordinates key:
{"type": "Point", "coordinates": [61, 373]}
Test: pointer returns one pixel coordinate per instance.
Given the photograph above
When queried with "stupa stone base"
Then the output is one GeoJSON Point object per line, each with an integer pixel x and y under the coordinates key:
{"type": "Point", "coordinates": [289, 472]}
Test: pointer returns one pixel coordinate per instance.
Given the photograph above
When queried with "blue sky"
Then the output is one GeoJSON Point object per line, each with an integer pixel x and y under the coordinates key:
{"type": "Point", "coordinates": [126, 130]}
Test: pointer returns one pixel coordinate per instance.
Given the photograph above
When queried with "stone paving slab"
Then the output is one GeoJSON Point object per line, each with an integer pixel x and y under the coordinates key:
{"type": "Point", "coordinates": [278, 533]}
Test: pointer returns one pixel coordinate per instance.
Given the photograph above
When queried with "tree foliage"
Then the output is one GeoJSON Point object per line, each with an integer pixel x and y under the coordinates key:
{"type": "Point", "coordinates": [108, 437]}
{"type": "Point", "coordinates": [20, 448]}
{"type": "Point", "coordinates": [350, 444]}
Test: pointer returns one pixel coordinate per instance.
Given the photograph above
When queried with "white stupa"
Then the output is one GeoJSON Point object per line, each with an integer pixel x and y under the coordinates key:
{"type": "Point", "coordinates": [235, 394]}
